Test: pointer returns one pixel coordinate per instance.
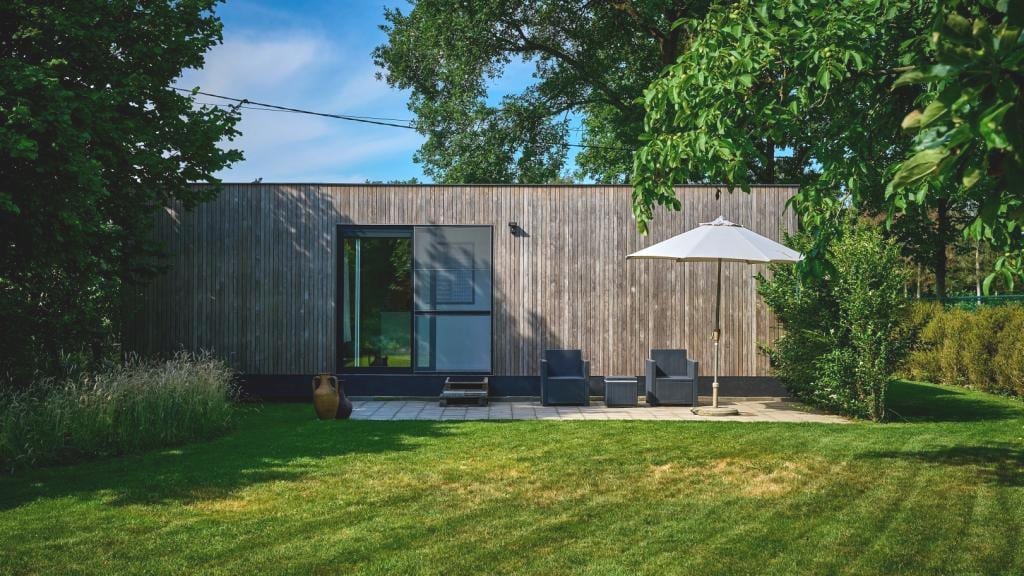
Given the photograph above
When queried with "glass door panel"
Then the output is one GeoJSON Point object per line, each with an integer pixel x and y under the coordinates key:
{"type": "Point", "coordinates": [376, 313]}
{"type": "Point", "coordinates": [452, 298]}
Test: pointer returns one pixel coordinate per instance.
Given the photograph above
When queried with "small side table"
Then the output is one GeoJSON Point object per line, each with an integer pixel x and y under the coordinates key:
{"type": "Point", "coordinates": [620, 391]}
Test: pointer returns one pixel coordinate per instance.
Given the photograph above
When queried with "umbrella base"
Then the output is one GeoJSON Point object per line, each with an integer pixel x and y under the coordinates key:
{"type": "Point", "coordinates": [712, 411]}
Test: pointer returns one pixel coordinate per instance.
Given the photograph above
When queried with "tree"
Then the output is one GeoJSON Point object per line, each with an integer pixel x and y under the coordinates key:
{"type": "Point", "coordinates": [590, 58]}
{"type": "Point", "coordinates": [93, 141]}
{"type": "Point", "coordinates": [969, 127]}
{"type": "Point", "coordinates": [819, 78]}
{"type": "Point", "coordinates": [809, 76]}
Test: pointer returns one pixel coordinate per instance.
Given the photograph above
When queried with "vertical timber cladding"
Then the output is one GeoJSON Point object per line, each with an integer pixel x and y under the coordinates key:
{"type": "Point", "coordinates": [252, 274]}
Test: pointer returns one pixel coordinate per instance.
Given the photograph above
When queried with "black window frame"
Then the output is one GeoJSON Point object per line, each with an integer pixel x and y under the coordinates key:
{"type": "Point", "coordinates": [343, 231]}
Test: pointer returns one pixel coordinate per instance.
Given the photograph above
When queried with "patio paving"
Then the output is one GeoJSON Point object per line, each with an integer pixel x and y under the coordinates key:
{"type": "Point", "coordinates": [751, 410]}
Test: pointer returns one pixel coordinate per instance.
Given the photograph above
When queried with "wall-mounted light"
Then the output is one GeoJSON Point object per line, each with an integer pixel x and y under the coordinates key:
{"type": "Point", "coordinates": [513, 227]}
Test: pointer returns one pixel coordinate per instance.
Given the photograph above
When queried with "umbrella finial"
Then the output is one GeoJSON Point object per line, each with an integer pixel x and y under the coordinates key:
{"type": "Point", "coordinates": [720, 221]}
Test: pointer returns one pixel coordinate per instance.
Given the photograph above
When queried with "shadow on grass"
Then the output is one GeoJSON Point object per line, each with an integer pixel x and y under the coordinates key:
{"type": "Point", "coordinates": [266, 446]}
{"type": "Point", "coordinates": [1000, 464]}
{"type": "Point", "coordinates": [921, 402]}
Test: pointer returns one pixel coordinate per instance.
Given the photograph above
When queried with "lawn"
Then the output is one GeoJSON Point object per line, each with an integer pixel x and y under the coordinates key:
{"type": "Point", "coordinates": [939, 491]}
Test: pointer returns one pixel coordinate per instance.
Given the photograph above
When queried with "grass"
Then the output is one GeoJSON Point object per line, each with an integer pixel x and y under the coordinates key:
{"type": "Point", "coordinates": [129, 408]}
{"type": "Point", "coordinates": [939, 491]}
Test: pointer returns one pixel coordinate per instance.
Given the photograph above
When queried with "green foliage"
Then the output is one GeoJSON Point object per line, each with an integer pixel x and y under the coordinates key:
{"type": "Point", "coordinates": [133, 407]}
{"type": "Point", "coordinates": [844, 332]}
{"type": "Point", "coordinates": [758, 76]}
{"type": "Point", "coordinates": [591, 59]}
{"type": "Point", "coordinates": [979, 349]}
{"type": "Point", "coordinates": [93, 141]}
{"type": "Point", "coordinates": [969, 127]}
{"type": "Point", "coordinates": [832, 81]}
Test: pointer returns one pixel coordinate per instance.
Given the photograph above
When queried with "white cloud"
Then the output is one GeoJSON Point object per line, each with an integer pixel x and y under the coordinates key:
{"type": "Point", "coordinates": [243, 65]}
{"type": "Point", "coordinates": [305, 70]}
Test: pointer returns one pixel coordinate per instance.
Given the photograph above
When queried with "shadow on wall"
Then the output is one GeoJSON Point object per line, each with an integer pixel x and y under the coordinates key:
{"type": "Point", "coordinates": [523, 337]}
{"type": "Point", "coordinates": [250, 278]}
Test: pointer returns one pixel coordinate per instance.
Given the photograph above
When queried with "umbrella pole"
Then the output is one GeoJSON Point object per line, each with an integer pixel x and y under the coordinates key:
{"type": "Point", "coordinates": [716, 335]}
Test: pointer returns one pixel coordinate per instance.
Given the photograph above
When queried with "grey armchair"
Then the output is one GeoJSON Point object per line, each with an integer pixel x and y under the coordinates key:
{"type": "Point", "coordinates": [564, 378]}
{"type": "Point", "coordinates": [671, 378]}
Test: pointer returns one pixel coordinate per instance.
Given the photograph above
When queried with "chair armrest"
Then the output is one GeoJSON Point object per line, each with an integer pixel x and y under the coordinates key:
{"type": "Point", "coordinates": [543, 377]}
{"type": "Point", "coordinates": [694, 369]}
{"type": "Point", "coordinates": [586, 369]}
{"type": "Point", "coordinates": [649, 370]}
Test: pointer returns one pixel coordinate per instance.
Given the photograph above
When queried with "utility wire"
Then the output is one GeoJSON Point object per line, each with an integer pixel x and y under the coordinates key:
{"type": "Point", "coordinates": [377, 121]}
{"type": "Point", "coordinates": [244, 101]}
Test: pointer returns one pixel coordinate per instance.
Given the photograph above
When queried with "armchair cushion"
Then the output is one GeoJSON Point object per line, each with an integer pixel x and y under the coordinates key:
{"type": "Point", "coordinates": [564, 362]}
{"type": "Point", "coordinates": [670, 362]}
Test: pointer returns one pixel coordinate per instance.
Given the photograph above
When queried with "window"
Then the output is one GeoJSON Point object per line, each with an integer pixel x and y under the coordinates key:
{"type": "Point", "coordinates": [415, 299]}
{"type": "Point", "coordinates": [376, 303]}
{"type": "Point", "coordinates": [452, 270]}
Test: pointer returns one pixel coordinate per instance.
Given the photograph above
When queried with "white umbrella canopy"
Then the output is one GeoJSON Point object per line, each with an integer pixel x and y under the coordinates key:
{"type": "Point", "coordinates": [719, 241]}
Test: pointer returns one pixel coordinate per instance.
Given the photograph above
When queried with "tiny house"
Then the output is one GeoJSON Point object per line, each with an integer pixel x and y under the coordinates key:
{"type": "Point", "coordinates": [396, 287]}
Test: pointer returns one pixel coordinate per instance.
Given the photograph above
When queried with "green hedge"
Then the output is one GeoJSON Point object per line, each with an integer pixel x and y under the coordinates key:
{"type": "Point", "coordinates": [845, 329]}
{"type": "Point", "coordinates": [981, 349]}
{"type": "Point", "coordinates": [138, 406]}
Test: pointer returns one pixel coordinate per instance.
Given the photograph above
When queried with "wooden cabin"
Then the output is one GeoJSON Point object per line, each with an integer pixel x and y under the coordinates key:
{"type": "Point", "coordinates": [395, 287]}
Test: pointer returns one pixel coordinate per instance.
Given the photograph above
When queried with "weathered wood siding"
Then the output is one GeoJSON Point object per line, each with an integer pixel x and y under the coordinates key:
{"type": "Point", "coordinates": [252, 274]}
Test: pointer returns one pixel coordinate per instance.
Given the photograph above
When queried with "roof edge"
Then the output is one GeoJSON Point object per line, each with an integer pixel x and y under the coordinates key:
{"type": "Point", "coordinates": [432, 185]}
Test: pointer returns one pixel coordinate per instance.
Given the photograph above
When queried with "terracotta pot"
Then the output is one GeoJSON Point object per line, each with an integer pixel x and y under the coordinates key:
{"type": "Point", "coordinates": [325, 396]}
{"type": "Point", "coordinates": [344, 404]}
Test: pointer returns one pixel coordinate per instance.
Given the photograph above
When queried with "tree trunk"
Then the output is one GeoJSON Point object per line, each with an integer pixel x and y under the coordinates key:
{"type": "Point", "coordinates": [942, 217]}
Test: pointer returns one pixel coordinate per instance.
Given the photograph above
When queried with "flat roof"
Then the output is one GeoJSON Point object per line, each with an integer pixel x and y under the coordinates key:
{"type": "Point", "coordinates": [432, 185]}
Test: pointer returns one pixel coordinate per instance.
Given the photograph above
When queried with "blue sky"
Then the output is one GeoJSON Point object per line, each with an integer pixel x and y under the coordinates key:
{"type": "Point", "coordinates": [316, 56]}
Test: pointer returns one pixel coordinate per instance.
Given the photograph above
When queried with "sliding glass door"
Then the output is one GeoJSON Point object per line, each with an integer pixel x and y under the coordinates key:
{"type": "Point", "coordinates": [415, 299]}
{"type": "Point", "coordinates": [376, 307]}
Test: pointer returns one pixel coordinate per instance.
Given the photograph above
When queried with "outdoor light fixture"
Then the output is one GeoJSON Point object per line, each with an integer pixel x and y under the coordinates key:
{"type": "Point", "coordinates": [513, 227]}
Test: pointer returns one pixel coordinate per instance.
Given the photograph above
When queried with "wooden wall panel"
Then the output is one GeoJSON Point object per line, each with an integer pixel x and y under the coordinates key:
{"type": "Point", "coordinates": [252, 274]}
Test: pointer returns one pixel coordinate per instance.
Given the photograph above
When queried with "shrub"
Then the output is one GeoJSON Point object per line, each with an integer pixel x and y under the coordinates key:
{"type": "Point", "coordinates": [1008, 363]}
{"type": "Point", "coordinates": [980, 349]}
{"type": "Point", "coordinates": [937, 355]}
{"type": "Point", "coordinates": [137, 406]}
{"type": "Point", "coordinates": [845, 332]}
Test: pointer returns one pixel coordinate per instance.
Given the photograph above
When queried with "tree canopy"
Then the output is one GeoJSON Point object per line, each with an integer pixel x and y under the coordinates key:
{"type": "Point", "coordinates": [593, 59]}
{"type": "Point", "coordinates": [832, 83]}
{"type": "Point", "coordinates": [93, 141]}
{"type": "Point", "coordinates": [969, 125]}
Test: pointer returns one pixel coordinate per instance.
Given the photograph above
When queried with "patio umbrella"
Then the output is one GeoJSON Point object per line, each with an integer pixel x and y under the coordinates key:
{"type": "Point", "coordinates": [719, 241]}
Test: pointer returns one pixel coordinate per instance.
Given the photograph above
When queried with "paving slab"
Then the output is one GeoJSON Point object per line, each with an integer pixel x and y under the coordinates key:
{"type": "Point", "coordinates": [750, 410]}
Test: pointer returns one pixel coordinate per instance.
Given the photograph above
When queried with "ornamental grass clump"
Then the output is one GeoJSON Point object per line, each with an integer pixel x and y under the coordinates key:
{"type": "Point", "coordinates": [137, 406]}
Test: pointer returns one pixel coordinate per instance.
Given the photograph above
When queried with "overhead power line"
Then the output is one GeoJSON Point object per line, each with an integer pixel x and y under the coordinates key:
{"type": "Point", "coordinates": [244, 101]}
{"type": "Point", "coordinates": [377, 121]}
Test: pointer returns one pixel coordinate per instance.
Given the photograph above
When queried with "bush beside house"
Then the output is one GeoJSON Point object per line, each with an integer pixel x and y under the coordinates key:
{"type": "Point", "coordinates": [845, 330]}
{"type": "Point", "coordinates": [137, 406]}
